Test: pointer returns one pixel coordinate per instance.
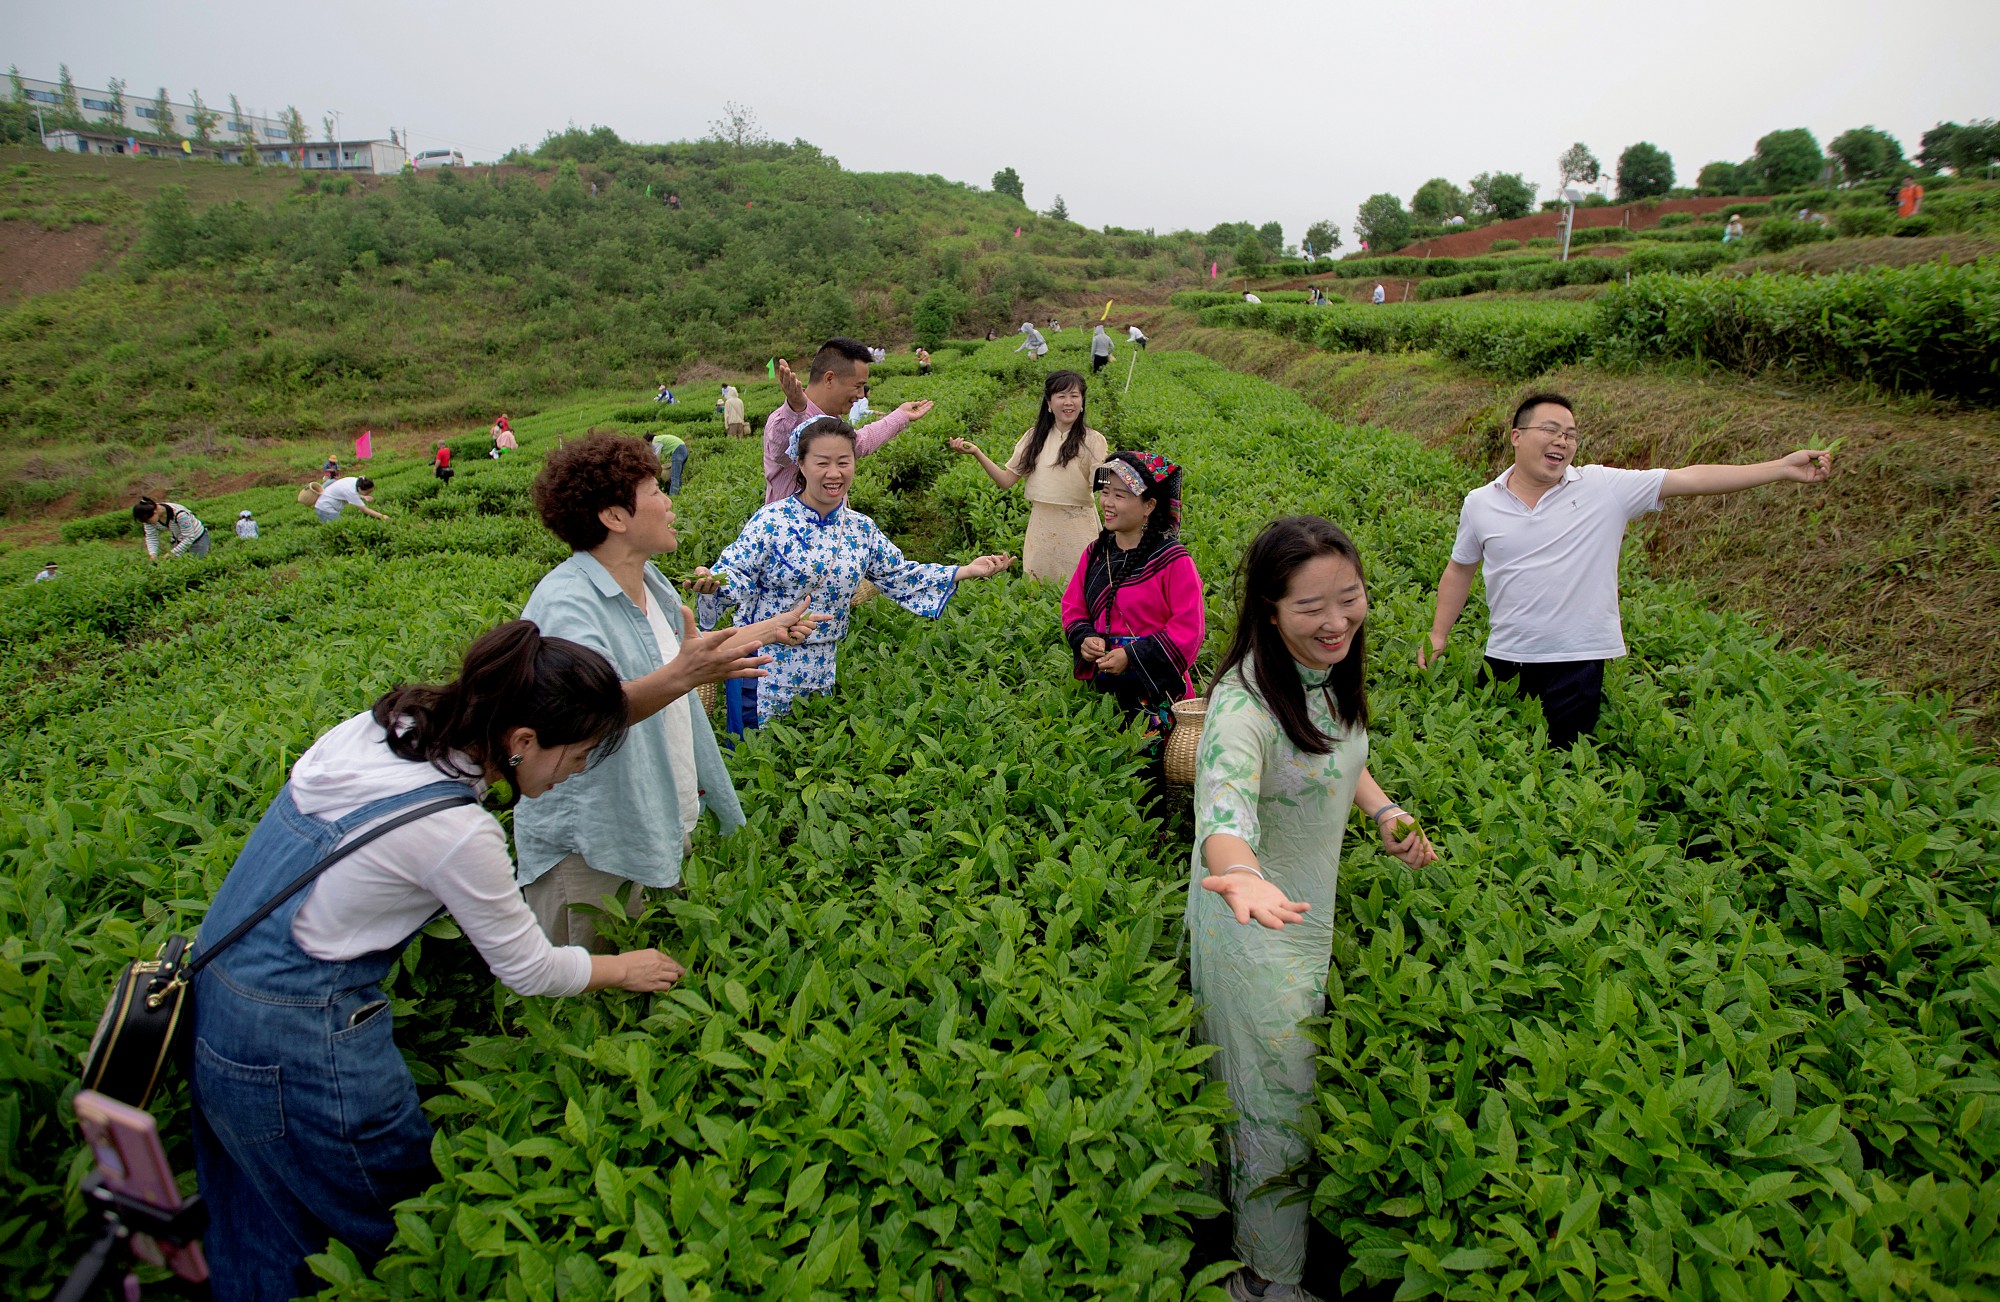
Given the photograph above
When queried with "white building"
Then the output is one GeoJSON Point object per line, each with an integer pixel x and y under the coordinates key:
{"type": "Point", "coordinates": [105, 131]}
{"type": "Point", "coordinates": [376, 157]}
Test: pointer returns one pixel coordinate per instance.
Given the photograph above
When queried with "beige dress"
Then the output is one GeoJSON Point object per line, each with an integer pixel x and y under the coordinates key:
{"type": "Point", "coordinates": [1062, 519]}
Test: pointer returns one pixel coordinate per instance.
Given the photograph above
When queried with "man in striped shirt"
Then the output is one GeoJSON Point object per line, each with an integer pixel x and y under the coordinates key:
{"type": "Point", "coordinates": [186, 536]}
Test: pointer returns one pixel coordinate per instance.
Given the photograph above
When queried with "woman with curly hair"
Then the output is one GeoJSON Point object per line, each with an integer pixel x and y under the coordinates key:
{"type": "Point", "coordinates": [609, 831]}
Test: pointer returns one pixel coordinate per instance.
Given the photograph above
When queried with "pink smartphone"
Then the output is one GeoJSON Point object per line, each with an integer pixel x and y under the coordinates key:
{"type": "Point", "coordinates": [126, 1143]}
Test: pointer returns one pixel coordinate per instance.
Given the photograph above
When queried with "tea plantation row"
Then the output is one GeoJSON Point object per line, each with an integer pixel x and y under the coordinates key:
{"type": "Point", "coordinates": [1932, 328]}
{"type": "Point", "coordinates": [1706, 1011]}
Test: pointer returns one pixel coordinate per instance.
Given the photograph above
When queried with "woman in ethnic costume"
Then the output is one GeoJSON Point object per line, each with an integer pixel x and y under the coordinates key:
{"type": "Point", "coordinates": [813, 547]}
{"type": "Point", "coordinates": [1133, 613]}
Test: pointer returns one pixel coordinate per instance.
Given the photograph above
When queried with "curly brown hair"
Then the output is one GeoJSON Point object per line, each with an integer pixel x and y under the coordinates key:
{"type": "Point", "coordinates": [582, 478]}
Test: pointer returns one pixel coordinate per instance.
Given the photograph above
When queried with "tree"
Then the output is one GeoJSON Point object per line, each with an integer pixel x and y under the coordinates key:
{"type": "Point", "coordinates": [1323, 236]}
{"type": "Point", "coordinates": [1503, 195]}
{"type": "Point", "coordinates": [1383, 223]}
{"type": "Point", "coordinates": [1578, 164]}
{"type": "Point", "coordinates": [1644, 170]}
{"type": "Point", "coordinates": [1008, 181]}
{"type": "Point", "coordinates": [295, 126]}
{"type": "Point", "coordinates": [937, 314]}
{"type": "Point", "coordinates": [169, 234]}
{"type": "Point", "coordinates": [1226, 234]}
{"type": "Point", "coordinates": [67, 105]}
{"type": "Point", "coordinates": [205, 119]}
{"type": "Point", "coordinates": [116, 115]}
{"type": "Point", "coordinates": [236, 120]}
{"type": "Point", "coordinates": [18, 87]}
{"type": "Point", "coordinates": [1250, 253]}
{"type": "Point", "coordinates": [737, 126]}
{"type": "Point", "coordinates": [1720, 178]}
{"type": "Point", "coordinates": [1785, 160]}
{"type": "Point", "coordinates": [163, 116]}
{"type": "Point", "coordinates": [1436, 201]}
{"type": "Point", "coordinates": [1272, 236]}
{"type": "Point", "coordinates": [1059, 210]}
{"type": "Point", "coordinates": [1964, 149]}
{"type": "Point", "coordinates": [326, 125]}
{"type": "Point", "coordinates": [1865, 154]}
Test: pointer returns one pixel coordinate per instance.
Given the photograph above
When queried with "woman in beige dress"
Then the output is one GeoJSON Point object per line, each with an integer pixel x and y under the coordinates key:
{"type": "Point", "coordinates": [1054, 462]}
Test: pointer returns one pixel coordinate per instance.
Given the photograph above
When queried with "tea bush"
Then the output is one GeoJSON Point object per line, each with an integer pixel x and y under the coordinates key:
{"type": "Point", "coordinates": [1930, 327]}
{"type": "Point", "coordinates": [1704, 1009]}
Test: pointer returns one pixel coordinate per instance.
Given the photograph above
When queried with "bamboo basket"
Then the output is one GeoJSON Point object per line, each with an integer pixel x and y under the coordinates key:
{"type": "Point", "coordinates": [708, 693]}
{"type": "Point", "coordinates": [1184, 742]}
{"type": "Point", "coordinates": [864, 592]}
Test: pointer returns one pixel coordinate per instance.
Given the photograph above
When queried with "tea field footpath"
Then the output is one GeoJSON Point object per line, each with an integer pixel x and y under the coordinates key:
{"type": "Point", "coordinates": [935, 1037]}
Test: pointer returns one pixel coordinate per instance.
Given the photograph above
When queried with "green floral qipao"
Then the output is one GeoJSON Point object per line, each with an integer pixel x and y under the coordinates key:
{"type": "Point", "coordinates": [1257, 985]}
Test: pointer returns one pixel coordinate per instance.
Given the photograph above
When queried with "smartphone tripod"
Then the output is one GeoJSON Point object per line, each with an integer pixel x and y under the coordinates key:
{"type": "Point", "coordinates": [125, 1216]}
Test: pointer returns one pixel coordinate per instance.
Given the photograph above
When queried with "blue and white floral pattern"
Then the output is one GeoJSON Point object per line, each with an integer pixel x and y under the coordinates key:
{"type": "Point", "coordinates": [787, 551]}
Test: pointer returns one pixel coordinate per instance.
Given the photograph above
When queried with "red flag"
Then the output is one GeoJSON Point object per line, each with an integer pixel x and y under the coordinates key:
{"type": "Point", "coordinates": [364, 447]}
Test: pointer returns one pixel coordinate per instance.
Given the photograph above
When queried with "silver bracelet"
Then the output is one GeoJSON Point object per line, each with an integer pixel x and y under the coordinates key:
{"type": "Point", "coordinates": [1377, 815]}
{"type": "Point", "coordinates": [1247, 867]}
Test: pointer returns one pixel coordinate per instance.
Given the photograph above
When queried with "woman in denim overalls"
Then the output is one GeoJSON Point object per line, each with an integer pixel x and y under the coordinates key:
{"type": "Point", "coordinates": [307, 1123]}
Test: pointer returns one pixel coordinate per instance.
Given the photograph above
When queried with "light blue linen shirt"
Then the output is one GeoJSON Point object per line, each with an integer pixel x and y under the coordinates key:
{"type": "Point", "coordinates": [621, 813]}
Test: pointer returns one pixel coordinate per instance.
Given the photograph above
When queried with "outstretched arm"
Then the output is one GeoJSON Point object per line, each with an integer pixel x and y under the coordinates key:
{"type": "Point", "coordinates": [996, 472]}
{"type": "Point", "coordinates": [1806, 466]}
{"type": "Point", "coordinates": [1454, 587]}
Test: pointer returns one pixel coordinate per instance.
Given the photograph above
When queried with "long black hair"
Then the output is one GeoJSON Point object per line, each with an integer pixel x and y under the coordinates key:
{"type": "Point", "coordinates": [1273, 557]}
{"type": "Point", "coordinates": [1045, 421]}
{"type": "Point", "coordinates": [512, 677]}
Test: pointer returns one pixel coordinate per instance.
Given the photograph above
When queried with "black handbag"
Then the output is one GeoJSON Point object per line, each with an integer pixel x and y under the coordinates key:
{"type": "Point", "coordinates": [151, 1008]}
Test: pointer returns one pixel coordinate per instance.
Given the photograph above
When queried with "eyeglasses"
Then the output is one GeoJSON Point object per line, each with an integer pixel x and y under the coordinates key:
{"type": "Point", "coordinates": [1573, 434]}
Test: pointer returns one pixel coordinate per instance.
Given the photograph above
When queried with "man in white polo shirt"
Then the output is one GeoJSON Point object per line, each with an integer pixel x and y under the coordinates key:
{"type": "Point", "coordinates": [1547, 535]}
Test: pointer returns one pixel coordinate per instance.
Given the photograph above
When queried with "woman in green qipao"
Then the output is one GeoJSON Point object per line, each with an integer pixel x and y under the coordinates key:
{"type": "Point", "coordinates": [1283, 758]}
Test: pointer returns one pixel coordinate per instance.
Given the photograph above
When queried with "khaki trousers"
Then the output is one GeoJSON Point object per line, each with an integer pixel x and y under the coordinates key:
{"type": "Point", "coordinates": [572, 885]}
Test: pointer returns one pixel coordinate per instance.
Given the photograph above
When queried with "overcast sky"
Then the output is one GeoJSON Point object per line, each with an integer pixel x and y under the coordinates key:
{"type": "Point", "coordinates": [1169, 114]}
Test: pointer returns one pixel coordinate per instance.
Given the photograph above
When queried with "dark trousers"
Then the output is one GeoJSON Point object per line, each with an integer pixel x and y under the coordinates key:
{"type": "Point", "coordinates": [1571, 693]}
{"type": "Point", "coordinates": [1097, 363]}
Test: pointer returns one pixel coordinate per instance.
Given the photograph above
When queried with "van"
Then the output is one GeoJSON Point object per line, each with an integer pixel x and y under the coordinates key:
{"type": "Point", "coordinates": [432, 158]}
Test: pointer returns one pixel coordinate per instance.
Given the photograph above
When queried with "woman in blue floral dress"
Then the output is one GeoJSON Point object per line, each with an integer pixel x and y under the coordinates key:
{"type": "Point", "coordinates": [812, 546]}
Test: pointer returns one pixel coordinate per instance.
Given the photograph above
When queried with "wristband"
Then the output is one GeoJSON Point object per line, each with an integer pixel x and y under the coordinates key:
{"type": "Point", "coordinates": [1377, 815]}
{"type": "Point", "coordinates": [1246, 867]}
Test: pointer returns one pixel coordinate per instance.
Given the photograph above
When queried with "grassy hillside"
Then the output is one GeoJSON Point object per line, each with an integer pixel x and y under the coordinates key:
{"type": "Point", "coordinates": [232, 304]}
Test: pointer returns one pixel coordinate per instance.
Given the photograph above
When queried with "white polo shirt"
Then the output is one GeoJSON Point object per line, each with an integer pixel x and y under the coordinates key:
{"type": "Point", "coordinates": [1552, 571]}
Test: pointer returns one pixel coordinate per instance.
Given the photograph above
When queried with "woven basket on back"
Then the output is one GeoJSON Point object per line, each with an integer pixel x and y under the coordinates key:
{"type": "Point", "coordinates": [707, 692]}
{"type": "Point", "coordinates": [1185, 741]}
{"type": "Point", "coordinates": [865, 591]}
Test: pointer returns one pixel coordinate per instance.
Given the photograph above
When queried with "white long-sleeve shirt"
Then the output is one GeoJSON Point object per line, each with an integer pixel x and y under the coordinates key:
{"type": "Point", "coordinates": [376, 897]}
{"type": "Point", "coordinates": [181, 529]}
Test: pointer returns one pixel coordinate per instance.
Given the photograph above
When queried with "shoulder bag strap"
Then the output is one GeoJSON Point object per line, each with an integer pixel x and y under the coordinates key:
{"type": "Point", "coordinates": [305, 879]}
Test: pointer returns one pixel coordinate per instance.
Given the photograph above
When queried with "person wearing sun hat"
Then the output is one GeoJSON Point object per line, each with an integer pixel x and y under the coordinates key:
{"type": "Point", "coordinates": [246, 525]}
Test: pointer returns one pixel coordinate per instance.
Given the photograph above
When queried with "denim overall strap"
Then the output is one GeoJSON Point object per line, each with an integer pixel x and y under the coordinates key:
{"type": "Point", "coordinates": [267, 962]}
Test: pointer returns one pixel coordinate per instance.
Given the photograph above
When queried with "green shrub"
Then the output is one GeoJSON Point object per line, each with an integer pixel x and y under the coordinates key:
{"type": "Point", "coordinates": [1777, 234]}
{"type": "Point", "coordinates": [1918, 224]}
{"type": "Point", "coordinates": [1670, 220]}
{"type": "Point", "coordinates": [1929, 327]}
{"type": "Point", "coordinates": [1501, 246]}
{"type": "Point", "coordinates": [1857, 222]}
{"type": "Point", "coordinates": [1590, 235]}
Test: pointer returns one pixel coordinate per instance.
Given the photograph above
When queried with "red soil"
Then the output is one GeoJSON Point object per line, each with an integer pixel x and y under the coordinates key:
{"type": "Point", "coordinates": [1638, 216]}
